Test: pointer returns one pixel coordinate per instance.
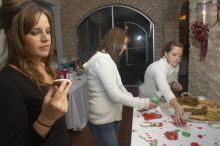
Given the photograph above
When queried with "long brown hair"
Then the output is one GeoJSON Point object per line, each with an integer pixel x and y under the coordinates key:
{"type": "Point", "coordinates": [113, 42]}
{"type": "Point", "coordinates": [24, 19]}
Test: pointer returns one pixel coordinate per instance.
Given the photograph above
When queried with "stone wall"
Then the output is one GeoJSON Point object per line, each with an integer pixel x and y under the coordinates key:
{"type": "Point", "coordinates": [163, 13]}
{"type": "Point", "coordinates": [204, 77]}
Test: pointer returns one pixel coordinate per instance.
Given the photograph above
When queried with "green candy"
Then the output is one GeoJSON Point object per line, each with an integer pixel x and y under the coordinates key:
{"type": "Point", "coordinates": [186, 134]}
{"type": "Point", "coordinates": [155, 99]}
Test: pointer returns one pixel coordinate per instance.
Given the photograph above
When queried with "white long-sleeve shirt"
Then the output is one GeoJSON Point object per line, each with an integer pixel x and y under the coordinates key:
{"type": "Point", "coordinates": [157, 79]}
{"type": "Point", "coordinates": [106, 92]}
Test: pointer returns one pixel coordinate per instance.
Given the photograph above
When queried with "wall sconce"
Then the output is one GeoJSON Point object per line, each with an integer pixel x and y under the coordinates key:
{"type": "Point", "coordinates": [207, 11]}
{"type": "Point", "coordinates": [182, 17]}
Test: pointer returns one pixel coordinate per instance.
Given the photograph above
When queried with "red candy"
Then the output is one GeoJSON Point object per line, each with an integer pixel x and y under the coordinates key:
{"type": "Point", "coordinates": [171, 135]}
{"type": "Point", "coordinates": [149, 116]}
{"type": "Point", "coordinates": [183, 122]}
{"type": "Point", "coordinates": [194, 144]}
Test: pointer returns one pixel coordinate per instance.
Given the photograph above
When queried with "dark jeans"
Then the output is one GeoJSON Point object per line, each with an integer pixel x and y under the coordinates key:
{"type": "Point", "coordinates": [106, 134]}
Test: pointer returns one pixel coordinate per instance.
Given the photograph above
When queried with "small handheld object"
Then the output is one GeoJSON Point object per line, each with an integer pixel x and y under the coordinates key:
{"type": "Point", "coordinates": [58, 82]}
{"type": "Point", "coordinates": [155, 100]}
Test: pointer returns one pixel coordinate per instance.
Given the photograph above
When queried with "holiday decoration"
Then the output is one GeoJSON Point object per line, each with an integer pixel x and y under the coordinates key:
{"type": "Point", "coordinates": [200, 32]}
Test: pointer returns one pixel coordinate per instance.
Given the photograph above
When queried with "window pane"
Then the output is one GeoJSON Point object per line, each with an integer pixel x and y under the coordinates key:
{"type": "Point", "coordinates": [138, 29]}
{"type": "Point", "coordinates": [91, 31]}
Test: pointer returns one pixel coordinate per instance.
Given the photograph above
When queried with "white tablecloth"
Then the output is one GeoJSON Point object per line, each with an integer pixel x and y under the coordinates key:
{"type": "Point", "coordinates": [200, 133]}
{"type": "Point", "coordinates": [77, 114]}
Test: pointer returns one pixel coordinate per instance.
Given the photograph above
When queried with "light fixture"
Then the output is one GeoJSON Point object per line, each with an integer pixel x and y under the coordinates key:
{"type": "Point", "coordinates": [182, 17]}
{"type": "Point", "coordinates": [207, 11]}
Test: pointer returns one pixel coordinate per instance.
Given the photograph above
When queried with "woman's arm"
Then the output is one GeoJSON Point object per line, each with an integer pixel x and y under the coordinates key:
{"type": "Point", "coordinates": [15, 125]}
{"type": "Point", "coordinates": [54, 107]}
{"type": "Point", "coordinates": [14, 116]}
{"type": "Point", "coordinates": [160, 77]}
{"type": "Point", "coordinates": [164, 89]}
{"type": "Point", "coordinates": [110, 79]}
{"type": "Point", "coordinates": [179, 112]}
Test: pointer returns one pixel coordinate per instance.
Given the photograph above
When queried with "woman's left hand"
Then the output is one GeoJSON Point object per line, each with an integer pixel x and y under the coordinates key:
{"type": "Point", "coordinates": [176, 85]}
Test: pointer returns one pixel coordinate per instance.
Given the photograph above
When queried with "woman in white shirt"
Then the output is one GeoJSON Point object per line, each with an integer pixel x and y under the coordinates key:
{"type": "Point", "coordinates": [106, 91]}
{"type": "Point", "coordinates": [161, 77]}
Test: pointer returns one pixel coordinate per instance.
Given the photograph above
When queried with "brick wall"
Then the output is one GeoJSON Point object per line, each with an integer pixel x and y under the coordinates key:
{"type": "Point", "coordinates": [163, 13]}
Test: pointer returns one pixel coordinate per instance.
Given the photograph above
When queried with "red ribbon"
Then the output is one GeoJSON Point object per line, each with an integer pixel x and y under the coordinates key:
{"type": "Point", "coordinates": [200, 32]}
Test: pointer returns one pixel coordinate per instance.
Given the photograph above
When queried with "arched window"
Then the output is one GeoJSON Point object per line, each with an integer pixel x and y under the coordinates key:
{"type": "Point", "coordinates": [140, 51]}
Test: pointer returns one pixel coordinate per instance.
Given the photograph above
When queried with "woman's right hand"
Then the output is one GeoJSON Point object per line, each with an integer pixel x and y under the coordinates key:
{"type": "Point", "coordinates": [152, 105]}
{"type": "Point", "coordinates": [179, 113]}
{"type": "Point", "coordinates": [55, 103]}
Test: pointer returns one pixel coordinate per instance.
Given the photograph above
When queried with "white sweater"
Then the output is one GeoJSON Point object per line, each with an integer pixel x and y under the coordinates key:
{"type": "Point", "coordinates": [157, 79]}
{"type": "Point", "coordinates": [106, 92]}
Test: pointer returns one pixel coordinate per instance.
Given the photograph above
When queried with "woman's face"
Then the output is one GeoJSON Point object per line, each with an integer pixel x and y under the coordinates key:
{"type": "Point", "coordinates": [124, 46]}
{"type": "Point", "coordinates": [38, 40]}
{"type": "Point", "coordinates": [174, 56]}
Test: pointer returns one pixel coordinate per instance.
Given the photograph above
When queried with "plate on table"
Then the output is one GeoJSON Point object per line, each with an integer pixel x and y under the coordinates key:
{"type": "Point", "coordinates": [202, 109]}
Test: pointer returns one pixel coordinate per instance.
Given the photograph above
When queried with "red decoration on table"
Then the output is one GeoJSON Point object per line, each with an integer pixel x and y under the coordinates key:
{"type": "Point", "coordinates": [182, 121]}
{"type": "Point", "coordinates": [199, 136]}
{"type": "Point", "coordinates": [200, 32]}
{"type": "Point", "coordinates": [194, 144]}
{"type": "Point", "coordinates": [171, 135]}
{"type": "Point", "coordinates": [150, 116]}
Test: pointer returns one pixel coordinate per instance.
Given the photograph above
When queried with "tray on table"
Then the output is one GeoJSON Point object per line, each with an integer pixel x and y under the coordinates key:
{"type": "Point", "coordinates": [202, 109]}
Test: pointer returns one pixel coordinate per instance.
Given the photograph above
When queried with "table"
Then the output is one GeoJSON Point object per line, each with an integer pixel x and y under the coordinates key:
{"type": "Point", "coordinates": [77, 114]}
{"type": "Point", "coordinates": [193, 134]}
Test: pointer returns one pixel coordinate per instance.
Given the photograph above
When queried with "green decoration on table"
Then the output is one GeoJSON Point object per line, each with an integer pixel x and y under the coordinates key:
{"type": "Point", "coordinates": [177, 130]}
{"type": "Point", "coordinates": [155, 143]}
{"type": "Point", "coordinates": [186, 134]}
{"type": "Point", "coordinates": [155, 99]}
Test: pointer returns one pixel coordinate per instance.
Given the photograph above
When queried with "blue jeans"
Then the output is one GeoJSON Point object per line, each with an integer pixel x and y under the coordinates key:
{"type": "Point", "coordinates": [106, 134]}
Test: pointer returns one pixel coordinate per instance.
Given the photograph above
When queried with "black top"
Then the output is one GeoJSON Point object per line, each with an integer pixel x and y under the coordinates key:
{"type": "Point", "coordinates": [20, 105]}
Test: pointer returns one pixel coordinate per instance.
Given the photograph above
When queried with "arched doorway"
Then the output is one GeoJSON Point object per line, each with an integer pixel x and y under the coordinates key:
{"type": "Point", "coordinates": [140, 51]}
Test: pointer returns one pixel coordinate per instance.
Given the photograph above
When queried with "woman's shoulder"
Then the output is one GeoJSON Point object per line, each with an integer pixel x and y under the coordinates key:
{"type": "Point", "coordinates": [8, 70]}
{"type": "Point", "coordinates": [5, 72]}
{"type": "Point", "coordinates": [6, 78]}
{"type": "Point", "coordinates": [156, 67]}
{"type": "Point", "coordinates": [8, 73]}
{"type": "Point", "coordinates": [102, 57]}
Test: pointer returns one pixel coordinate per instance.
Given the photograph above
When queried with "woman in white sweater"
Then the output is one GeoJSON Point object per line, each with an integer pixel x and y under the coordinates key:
{"type": "Point", "coordinates": [161, 77]}
{"type": "Point", "coordinates": [106, 91]}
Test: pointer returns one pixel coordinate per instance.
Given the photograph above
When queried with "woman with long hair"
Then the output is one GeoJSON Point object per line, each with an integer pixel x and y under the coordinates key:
{"type": "Point", "coordinates": [31, 109]}
{"type": "Point", "coordinates": [106, 92]}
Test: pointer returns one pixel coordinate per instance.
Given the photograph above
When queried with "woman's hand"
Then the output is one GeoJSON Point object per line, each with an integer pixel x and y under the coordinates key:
{"type": "Point", "coordinates": [152, 105]}
{"type": "Point", "coordinates": [176, 86]}
{"type": "Point", "coordinates": [179, 113]}
{"type": "Point", "coordinates": [179, 117]}
{"type": "Point", "coordinates": [55, 103]}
